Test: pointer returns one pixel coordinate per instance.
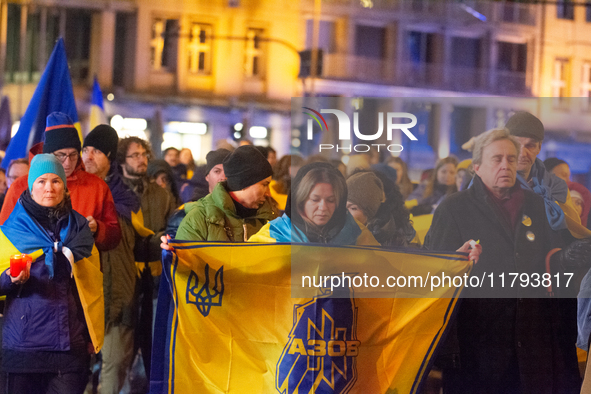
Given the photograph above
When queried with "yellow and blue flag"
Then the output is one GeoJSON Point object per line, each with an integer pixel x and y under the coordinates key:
{"type": "Point", "coordinates": [97, 108]}
{"type": "Point", "coordinates": [227, 323]}
{"type": "Point", "coordinates": [54, 93]}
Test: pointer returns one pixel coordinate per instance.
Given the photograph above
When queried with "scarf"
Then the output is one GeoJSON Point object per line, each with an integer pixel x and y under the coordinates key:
{"type": "Point", "coordinates": [72, 237]}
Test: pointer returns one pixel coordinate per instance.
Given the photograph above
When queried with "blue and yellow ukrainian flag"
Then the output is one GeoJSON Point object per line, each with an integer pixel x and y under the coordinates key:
{"type": "Point", "coordinates": [227, 323]}
{"type": "Point", "coordinates": [54, 93]}
{"type": "Point", "coordinates": [97, 108]}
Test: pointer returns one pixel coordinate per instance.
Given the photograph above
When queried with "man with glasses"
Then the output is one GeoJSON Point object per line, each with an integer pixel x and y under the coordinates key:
{"type": "Point", "coordinates": [90, 195]}
{"type": "Point", "coordinates": [157, 204]}
{"type": "Point", "coordinates": [16, 169]}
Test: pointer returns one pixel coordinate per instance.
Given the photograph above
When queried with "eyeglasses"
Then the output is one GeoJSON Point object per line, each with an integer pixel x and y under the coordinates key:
{"type": "Point", "coordinates": [12, 177]}
{"type": "Point", "coordinates": [62, 156]}
{"type": "Point", "coordinates": [137, 155]}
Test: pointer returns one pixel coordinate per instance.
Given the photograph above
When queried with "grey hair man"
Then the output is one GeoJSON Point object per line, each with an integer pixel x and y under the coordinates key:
{"type": "Point", "coordinates": [504, 343]}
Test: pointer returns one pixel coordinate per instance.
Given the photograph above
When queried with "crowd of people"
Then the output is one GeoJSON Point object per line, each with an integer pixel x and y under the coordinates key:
{"type": "Point", "coordinates": [110, 199]}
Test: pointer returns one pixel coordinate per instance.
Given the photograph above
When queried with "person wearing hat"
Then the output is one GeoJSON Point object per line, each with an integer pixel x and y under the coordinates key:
{"type": "Point", "coordinates": [237, 207]}
{"type": "Point", "coordinates": [214, 173]}
{"type": "Point", "coordinates": [558, 167]}
{"type": "Point", "coordinates": [49, 324]}
{"type": "Point", "coordinates": [532, 175]}
{"type": "Point", "coordinates": [90, 195]}
{"type": "Point", "coordinates": [120, 272]}
{"type": "Point", "coordinates": [365, 195]}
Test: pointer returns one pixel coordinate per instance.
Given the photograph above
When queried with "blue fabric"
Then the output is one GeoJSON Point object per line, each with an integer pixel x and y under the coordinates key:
{"type": "Point", "coordinates": [97, 95]}
{"type": "Point", "coordinates": [53, 93]}
{"type": "Point", "coordinates": [27, 236]}
{"type": "Point", "coordinates": [551, 189]}
{"type": "Point", "coordinates": [282, 230]}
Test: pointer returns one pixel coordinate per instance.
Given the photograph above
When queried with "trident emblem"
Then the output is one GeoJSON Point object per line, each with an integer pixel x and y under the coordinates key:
{"type": "Point", "coordinates": [205, 297]}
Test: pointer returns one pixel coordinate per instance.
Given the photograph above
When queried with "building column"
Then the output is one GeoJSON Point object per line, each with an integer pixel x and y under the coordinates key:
{"type": "Point", "coordinates": [3, 38]}
{"type": "Point", "coordinates": [392, 59]}
{"type": "Point", "coordinates": [181, 71]}
{"type": "Point", "coordinates": [493, 54]}
{"type": "Point", "coordinates": [103, 47]}
{"type": "Point", "coordinates": [42, 52]}
{"type": "Point", "coordinates": [441, 123]}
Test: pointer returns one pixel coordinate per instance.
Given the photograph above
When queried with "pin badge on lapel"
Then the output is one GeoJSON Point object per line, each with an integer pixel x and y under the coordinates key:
{"type": "Point", "coordinates": [526, 220]}
{"type": "Point", "coordinates": [530, 236]}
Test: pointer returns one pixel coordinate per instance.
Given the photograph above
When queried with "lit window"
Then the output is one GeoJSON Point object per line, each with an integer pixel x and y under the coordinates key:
{"type": "Point", "coordinates": [254, 53]}
{"type": "Point", "coordinates": [559, 78]}
{"type": "Point", "coordinates": [200, 49]}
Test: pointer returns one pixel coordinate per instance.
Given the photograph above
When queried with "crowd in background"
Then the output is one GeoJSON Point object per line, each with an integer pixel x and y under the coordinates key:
{"type": "Point", "coordinates": [133, 203]}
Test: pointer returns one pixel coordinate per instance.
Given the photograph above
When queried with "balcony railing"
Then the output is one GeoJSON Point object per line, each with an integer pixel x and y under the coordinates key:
{"type": "Point", "coordinates": [423, 75]}
{"type": "Point", "coordinates": [497, 11]}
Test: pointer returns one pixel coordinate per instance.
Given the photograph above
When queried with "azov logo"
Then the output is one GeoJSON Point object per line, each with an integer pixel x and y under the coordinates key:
{"type": "Point", "coordinates": [321, 354]}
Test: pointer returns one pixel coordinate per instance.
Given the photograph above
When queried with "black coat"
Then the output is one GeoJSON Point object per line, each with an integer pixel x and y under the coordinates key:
{"type": "Point", "coordinates": [506, 345]}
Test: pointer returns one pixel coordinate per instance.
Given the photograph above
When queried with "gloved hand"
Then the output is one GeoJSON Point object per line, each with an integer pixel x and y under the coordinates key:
{"type": "Point", "coordinates": [574, 256]}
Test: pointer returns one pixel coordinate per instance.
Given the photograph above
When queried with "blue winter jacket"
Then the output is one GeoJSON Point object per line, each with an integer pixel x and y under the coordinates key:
{"type": "Point", "coordinates": [44, 314]}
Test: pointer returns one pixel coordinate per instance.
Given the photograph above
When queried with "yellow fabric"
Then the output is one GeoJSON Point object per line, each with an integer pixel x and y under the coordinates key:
{"type": "Point", "coordinates": [263, 235]}
{"type": "Point", "coordinates": [573, 220]}
{"type": "Point", "coordinates": [89, 282]}
{"type": "Point", "coordinates": [137, 221]}
{"type": "Point", "coordinates": [97, 117]}
{"type": "Point", "coordinates": [155, 268]}
{"type": "Point", "coordinates": [247, 334]}
{"type": "Point", "coordinates": [409, 204]}
{"type": "Point", "coordinates": [421, 224]}
{"type": "Point", "coordinates": [280, 199]}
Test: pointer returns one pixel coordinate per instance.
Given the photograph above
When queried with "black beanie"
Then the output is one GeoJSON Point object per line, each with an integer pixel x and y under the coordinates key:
{"type": "Point", "coordinates": [214, 158]}
{"type": "Point", "coordinates": [552, 162]}
{"type": "Point", "coordinates": [245, 167]}
{"type": "Point", "coordinates": [524, 124]}
{"type": "Point", "coordinates": [104, 138]}
{"type": "Point", "coordinates": [60, 133]}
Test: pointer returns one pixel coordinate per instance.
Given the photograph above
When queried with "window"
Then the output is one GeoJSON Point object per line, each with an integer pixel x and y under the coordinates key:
{"type": "Point", "coordinates": [200, 48]}
{"type": "Point", "coordinates": [565, 9]}
{"type": "Point", "coordinates": [512, 57]}
{"type": "Point", "coordinates": [370, 41]}
{"type": "Point", "coordinates": [253, 66]}
{"type": "Point", "coordinates": [559, 80]}
{"type": "Point", "coordinates": [77, 40]}
{"type": "Point", "coordinates": [163, 45]}
{"type": "Point", "coordinates": [421, 47]}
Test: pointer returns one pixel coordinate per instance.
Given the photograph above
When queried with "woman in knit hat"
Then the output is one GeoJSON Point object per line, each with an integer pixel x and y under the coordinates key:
{"type": "Point", "coordinates": [54, 312]}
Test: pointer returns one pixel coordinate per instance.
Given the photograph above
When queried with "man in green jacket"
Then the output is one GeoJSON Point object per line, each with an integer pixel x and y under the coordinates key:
{"type": "Point", "coordinates": [236, 208]}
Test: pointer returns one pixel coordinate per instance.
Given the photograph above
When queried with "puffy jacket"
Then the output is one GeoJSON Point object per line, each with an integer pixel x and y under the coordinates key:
{"type": "Point", "coordinates": [52, 311]}
{"type": "Point", "coordinates": [90, 197]}
{"type": "Point", "coordinates": [214, 218]}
